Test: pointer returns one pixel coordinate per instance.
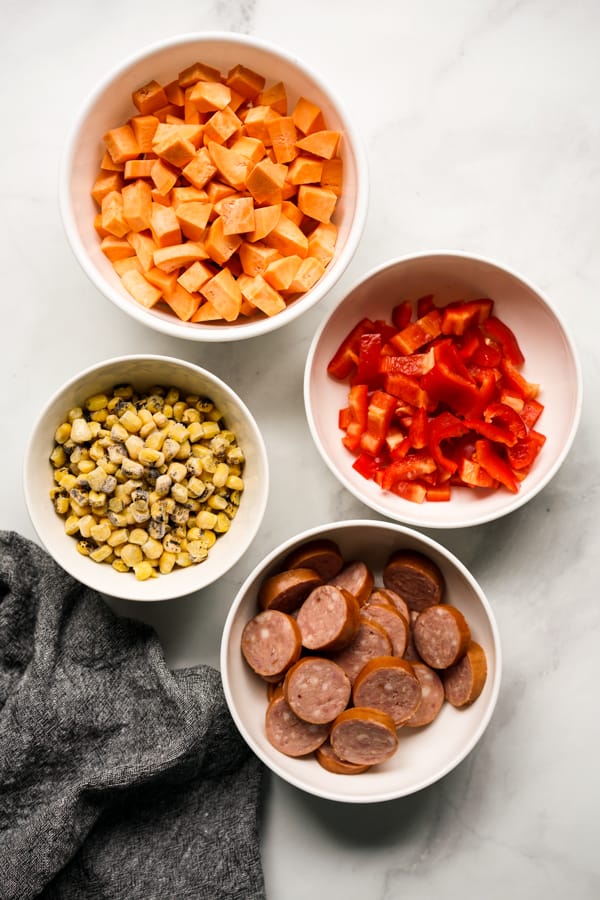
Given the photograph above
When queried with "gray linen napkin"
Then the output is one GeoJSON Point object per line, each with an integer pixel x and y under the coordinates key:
{"type": "Point", "coordinates": [118, 778]}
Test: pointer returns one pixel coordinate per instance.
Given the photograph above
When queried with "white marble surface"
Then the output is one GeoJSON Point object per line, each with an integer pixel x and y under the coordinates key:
{"type": "Point", "coordinates": [482, 126]}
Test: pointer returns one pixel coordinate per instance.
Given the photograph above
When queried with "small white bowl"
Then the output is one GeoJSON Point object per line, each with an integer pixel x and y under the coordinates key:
{"type": "Point", "coordinates": [424, 754]}
{"type": "Point", "coordinates": [143, 372]}
{"type": "Point", "coordinates": [551, 361]}
{"type": "Point", "coordinates": [110, 105]}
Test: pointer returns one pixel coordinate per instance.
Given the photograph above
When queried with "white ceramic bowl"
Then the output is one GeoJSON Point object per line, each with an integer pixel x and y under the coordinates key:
{"type": "Point", "coordinates": [424, 754]}
{"type": "Point", "coordinates": [551, 361]}
{"type": "Point", "coordinates": [143, 372]}
{"type": "Point", "coordinates": [110, 105]}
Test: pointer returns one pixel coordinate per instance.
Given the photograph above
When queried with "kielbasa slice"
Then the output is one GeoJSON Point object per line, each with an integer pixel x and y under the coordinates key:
{"type": "Point", "coordinates": [432, 696]}
{"type": "Point", "coordinates": [357, 579]}
{"type": "Point", "coordinates": [271, 643]}
{"type": "Point", "coordinates": [288, 733]}
{"type": "Point", "coordinates": [316, 689]}
{"type": "Point", "coordinates": [362, 736]}
{"type": "Point", "coordinates": [328, 619]}
{"type": "Point", "coordinates": [411, 651]}
{"type": "Point", "coordinates": [287, 590]}
{"type": "Point", "coordinates": [391, 620]}
{"type": "Point", "coordinates": [463, 682]}
{"type": "Point", "coordinates": [386, 595]}
{"type": "Point", "coordinates": [388, 684]}
{"type": "Point", "coordinates": [441, 635]}
{"type": "Point", "coordinates": [328, 758]}
{"type": "Point", "coordinates": [322, 555]}
{"type": "Point", "coordinates": [416, 578]}
{"type": "Point", "coordinates": [371, 641]}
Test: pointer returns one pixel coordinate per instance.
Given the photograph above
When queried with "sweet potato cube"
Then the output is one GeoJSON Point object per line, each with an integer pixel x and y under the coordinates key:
{"type": "Point", "coordinates": [140, 289]}
{"type": "Point", "coordinates": [290, 210]}
{"type": "Point", "coordinates": [231, 166]}
{"type": "Point", "coordinates": [206, 312]}
{"type": "Point", "coordinates": [164, 281]}
{"type": "Point", "coordinates": [176, 150]}
{"type": "Point", "coordinates": [309, 272]}
{"type": "Point", "coordinates": [245, 81]}
{"type": "Point", "coordinates": [217, 191]}
{"type": "Point", "coordinates": [138, 168]}
{"type": "Point", "coordinates": [183, 303]}
{"type": "Point", "coordinates": [220, 246]}
{"type": "Point", "coordinates": [287, 238]}
{"type": "Point", "coordinates": [109, 165]}
{"type": "Point", "coordinates": [321, 242]}
{"type": "Point", "coordinates": [316, 202]}
{"type": "Point", "coordinates": [137, 204]}
{"type": "Point", "coordinates": [332, 175]}
{"type": "Point", "coordinates": [238, 215]}
{"type": "Point", "coordinates": [275, 97]}
{"type": "Point", "coordinates": [305, 170]}
{"type": "Point", "coordinates": [281, 272]}
{"type": "Point", "coordinates": [200, 170]}
{"type": "Point", "coordinates": [100, 231]}
{"type": "Point", "coordinates": [195, 276]}
{"type": "Point", "coordinates": [193, 218]}
{"type": "Point", "coordinates": [105, 183]}
{"type": "Point", "coordinates": [251, 148]}
{"type": "Point", "coordinates": [222, 126]}
{"type": "Point", "coordinates": [191, 115]}
{"type": "Point", "coordinates": [262, 295]}
{"type": "Point", "coordinates": [283, 135]}
{"type": "Point", "coordinates": [256, 257]}
{"type": "Point", "coordinates": [149, 97]}
{"type": "Point", "coordinates": [307, 116]}
{"type": "Point", "coordinates": [198, 71]}
{"type": "Point", "coordinates": [126, 264]}
{"type": "Point", "coordinates": [121, 144]}
{"type": "Point", "coordinates": [164, 176]}
{"type": "Point", "coordinates": [209, 96]}
{"type": "Point", "coordinates": [113, 218]}
{"type": "Point", "coordinates": [321, 143]}
{"type": "Point", "coordinates": [175, 93]}
{"type": "Point", "coordinates": [265, 220]}
{"type": "Point", "coordinates": [266, 180]}
{"type": "Point", "coordinates": [224, 293]}
{"type": "Point", "coordinates": [144, 247]}
{"type": "Point", "coordinates": [256, 120]}
{"type": "Point", "coordinates": [116, 248]}
{"type": "Point", "coordinates": [164, 226]}
{"type": "Point", "coordinates": [177, 255]}
{"type": "Point", "coordinates": [187, 195]}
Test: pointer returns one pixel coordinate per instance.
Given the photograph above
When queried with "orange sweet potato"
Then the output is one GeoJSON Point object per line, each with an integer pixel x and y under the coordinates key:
{"type": "Point", "coordinates": [287, 238]}
{"type": "Point", "coordinates": [283, 135]}
{"type": "Point", "coordinates": [266, 180]}
{"type": "Point", "coordinates": [316, 202]}
{"type": "Point", "coordinates": [200, 170]}
{"type": "Point", "coordinates": [275, 97]}
{"type": "Point", "coordinates": [164, 226]}
{"type": "Point", "coordinates": [224, 293]}
{"type": "Point", "coordinates": [121, 143]}
{"type": "Point", "coordinates": [193, 218]}
{"type": "Point", "coordinates": [209, 96]}
{"type": "Point", "coordinates": [245, 81]}
{"type": "Point", "coordinates": [322, 143]}
{"type": "Point", "coordinates": [307, 116]}
{"type": "Point", "coordinates": [177, 255]}
{"type": "Point", "coordinates": [141, 289]}
{"type": "Point", "coordinates": [220, 246]}
{"type": "Point", "coordinates": [137, 204]}
{"type": "Point", "coordinates": [183, 303]}
{"type": "Point", "coordinates": [238, 215]}
{"type": "Point", "coordinates": [261, 294]}
{"type": "Point", "coordinates": [265, 220]}
{"type": "Point", "coordinates": [149, 97]}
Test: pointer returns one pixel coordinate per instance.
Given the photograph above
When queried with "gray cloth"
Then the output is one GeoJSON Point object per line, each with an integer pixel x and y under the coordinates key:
{"type": "Point", "coordinates": [118, 778]}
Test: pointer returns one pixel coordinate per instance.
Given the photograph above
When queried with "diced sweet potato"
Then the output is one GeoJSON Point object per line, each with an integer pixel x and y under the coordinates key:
{"type": "Point", "coordinates": [198, 71]}
{"type": "Point", "coordinates": [321, 242]}
{"type": "Point", "coordinates": [138, 168]}
{"type": "Point", "coordinates": [196, 275]}
{"type": "Point", "coordinates": [231, 166]}
{"type": "Point", "coordinates": [193, 218]}
{"type": "Point", "coordinates": [164, 176]}
{"type": "Point", "coordinates": [265, 181]}
{"type": "Point", "coordinates": [144, 247]}
{"type": "Point", "coordinates": [309, 272]}
{"type": "Point", "coordinates": [287, 238]}
{"type": "Point", "coordinates": [220, 246]}
{"type": "Point", "coordinates": [200, 170]}
{"type": "Point", "coordinates": [281, 272]}
{"type": "Point", "coordinates": [206, 312]}
{"type": "Point", "coordinates": [224, 293]}
{"type": "Point", "coordinates": [256, 257]}
{"type": "Point", "coordinates": [116, 248]}
{"type": "Point", "coordinates": [113, 218]}
{"type": "Point", "coordinates": [109, 165]}
{"type": "Point", "coordinates": [251, 148]}
{"type": "Point", "coordinates": [316, 202]}
{"type": "Point", "coordinates": [137, 204]}
{"type": "Point", "coordinates": [238, 215]}
{"type": "Point", "coordinates": [256, 120]}
{"type": "Point", "coordinates": [262, 295]}
{"type": "Point", "coordinates": [126, 264]}
{"type": "Point", "coordinates": [177, 255]}
{"type": "Point", "coordinates": [149, 97]}
{"type": "Point", "coordinates": [245, 81]}
{"type": "Point", "coordinates": [265, 220]}
{"type": "Point", "coordinates": [290, 210]}
{"type": "Point", "coordinates": [275, 97]}
{"type": "Point", "coordinates": [121, 143]}
{"type": "Point", "coordinates": [175, 93]}
{"type": "Point", "coordinates": [307, 116]}
{"type": "Point", "coordinates": [222, 125]}
{"type": "Point", "coordinates": [187, 195]}
{"type": "Point", "coordinates": [283, 135]}
{"type": "Point", "coordinates": [140, 289]}
{"type": "Point", "coordinates": [305, 170]}
{"type": "Point", "coordinates": [175, 149]}
{"type": "Point", "coordinates": [321, 143]}
{"type": "Point", "coordinates": [105, 183]}
{"type": "Point", "coordinates": [332, 175]}
{"type": "Point", "coordinates": [208, 96]}
{"type": "Point", "coordinates": [183, 303]}
{"type": "Point", "coordinates": [164, 226]}
{"type": "Point", "coordinates": [164, 281]}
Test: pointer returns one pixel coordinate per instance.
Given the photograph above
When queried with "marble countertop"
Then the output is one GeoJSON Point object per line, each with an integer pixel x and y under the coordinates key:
{"type": "Point", "coordinates": [482, 128]}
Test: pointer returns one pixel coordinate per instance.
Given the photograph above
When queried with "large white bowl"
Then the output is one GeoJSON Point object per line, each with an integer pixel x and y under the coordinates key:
{"type": "Point", "coordinates": [110, 105]}
{"type": "Point", "coordinates": [551, 361]}
{"type": "Point", "coordinates": [424, 754]}
{"type": "Point", "coordinates": [143, 372]}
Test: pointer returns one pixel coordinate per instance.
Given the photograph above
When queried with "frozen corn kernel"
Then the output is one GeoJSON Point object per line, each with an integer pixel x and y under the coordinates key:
{"type": "Point", "coordinates": [96, 402]}
{"type": "Point", "coordinates": [143, 570]}
{"type": "Point", "coordinates": [101, 554]}
{"type": "Point", "coordinates": [131, 554]}
{"type": "Point", "coordinates": [80, 431]}
{"type": "Point", "coordinates": [119, 565]}
{"type": "Point", "coordinates": [220, 475]}
{"type": "Point", "coordinates": [166, 562]}
{"type": "Point", "coordinates": [206, 519]}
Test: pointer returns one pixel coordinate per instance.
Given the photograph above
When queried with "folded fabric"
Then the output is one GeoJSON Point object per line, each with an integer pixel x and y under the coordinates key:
{"type": "Point", "coordinates": [118, 777]}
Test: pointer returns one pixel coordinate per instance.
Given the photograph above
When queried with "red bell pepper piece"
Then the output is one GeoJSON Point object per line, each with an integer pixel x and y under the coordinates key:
{"type": "Point", "coordinates": [402, 314]}
{"type": "Point", "coordinates": [410, 490]}
{"type": "Point", "coordinates": [501, 412]}
{"type": "Point", "coordinates": [449, 382]}
{"type": "Point", "coordinates": [418, 431]}
{"type": "Point", "coordinates": [369, 350]}
{"type": "Point", "coordinates": [418, 333]}
{"type": "Point", "coordinates": [524, 452]}
{"type": "Point", "coordinates": [425, 305]}
{"type": "Point", "coordinates": [406, 389]}
{"type": "Point", "coordinates": [379, 415]}
{"type": "Point", "coordinates": [500, 332]}
{"type": "Point", "coordinates": [414, 465]}
{"type": "Point", "coordinates": [345, 359]}
{"type": "Point", "coordinates": [344, 418]}
{"type": "Point", "coordinates": [487, 355]}
{"type": "Point", "coordinates": [443, 428]}
{"type": "Point", "coordinates": [495, 433]}
{"type": "Point", "coordinates": [438, 494]}
{"type": "Point", "coordinates": [357, 414]}
{"type": "Point", "coordinates": [473, 475]}
{"type": "Point", "coordinates": [365, 465]}
{"type": "Point", "coordinates": [532, 410]}
{"type": "Point", "coordinates": [495, 465]}
{"type": "Point", "coordinates": [416, 364]}
{"type": "Point", "coordinates": [513, 379]}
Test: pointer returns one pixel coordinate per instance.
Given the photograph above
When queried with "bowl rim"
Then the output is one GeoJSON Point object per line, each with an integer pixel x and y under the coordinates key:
{"type": "Point", "coordinates": [215, 333]}
{"type": "Point", "coordinates": [519, 499]}
{"type": "Point", "coordinates": [161, 590]}
{"type": "Point", "coordinates": [319, 531]}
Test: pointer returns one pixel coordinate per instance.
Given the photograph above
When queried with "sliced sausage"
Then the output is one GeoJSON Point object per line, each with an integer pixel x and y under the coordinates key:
{"type": "Point", "coordinates": [432, 696]}
{"type": "Point", "coordinates": [371, 641]}
{"type": "Point", "coordinates": [388, 684]}
{"type": "Point", "coordinates": [357, 579]}
{"type": "Point", "coordinates": [411, 651]}
{"type": "Point", "coordinates": [317, 689]}
{"type": "Point", "coordinates": [463, 682]}
{"type": "Point", "coordinates": [391, 620]}
{"type": "Point", "coordinates": [321, 555]}
{"type": "Point", "coordinates": [328, 619]}
{"type": "Point", "coordinates": [290, 734]}
{"type": "Point", "coordinates": [441, 636]}
{"type": "Point", "coordinates": [287, 590]}
{"type": "Point", "coordinates": [271, 643]}
{"type": "Point", "coordinates": [362, 736]}
{"type": "Point", "coordinates": [415, 577]}
{"type": "Point", "coordinates": [387, 595]}
{"type": "Point", "coordinates": [328, 758]}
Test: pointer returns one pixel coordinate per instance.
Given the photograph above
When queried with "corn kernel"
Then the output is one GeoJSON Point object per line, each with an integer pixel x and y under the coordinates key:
{"type": "Point", "coordinates": [131, 554]}
{"type": "Point", "coordinates": [62, 433]}
{"type": "Point", "coordinates": [143, 570]}
{"type": "Point", "coordinates": [220, 475]}
{"type": "Point", "coordinates": [101, 533]}
{"type": "Point", "coordinates": [222, 524]}
{"type": "Point", "coordinates": [58, 457]}
{"type": "Point", "coordinates": [152, 549]}
{"type": "Point", "coordinates": [138, 536]}
{"type": "Point", "coordinates": [119, 565]}
{"type": "Point", "coordinates": [80, 431]}
{"type": "Point", "coordinates": [131, 421]}
{"type": "Point", "coordinates": [235, 483]}
{"type": "Point", "coordinates": [96, 402]}
{"type": "Point", "coordinates": [166, 562]}
{"type": "Point", "coordinates": [118, 536]}
{"type": "Point", "coordinates": [100, 554]}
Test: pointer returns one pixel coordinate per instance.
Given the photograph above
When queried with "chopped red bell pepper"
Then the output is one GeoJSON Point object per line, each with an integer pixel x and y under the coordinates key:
{"type": "Point", "coordinates": [531, 411]}
{"type": "Point", "coordinates": [410, 490]}
{"type": "Point", "coordinates": [369, 352]}
{"type": "Point", "coordinates": [418, 431]}
{"type": "Point", "coordinates": [443, 428]}
{"type": "Point", "coordinates": [503, 335]}
{"type": "Point", "coordinates": [425, 305]}
{"type": "Point", "coordinates": [414, 465]}
{"type": "Point", "coordinates": [402, 314]}
{"type": "Point", "coordinates": [495, 465]}
{"type": "Point", "coordinates": [473, 475]}
{"type": "Point", "coordinates": [379, 415]}
{"type": "Point", "coordinates": [523, 453]}
{"type": "Point", "coordinates": [418, 333]}
{"type": "Point", "coordinates": [438, 494]}
{"type": "Point", "coordinates": [406, 388]}
{"type": "Point", "coordinates": [501, 412]}
{"type": "Point", "coordinates": [344, 360]}
{"type": "Point", "coordinates": [416, 364]}
{"type": "Point", "coordinates": [365, 465]}
{"type": "Point", "coordinates": [514, 380]}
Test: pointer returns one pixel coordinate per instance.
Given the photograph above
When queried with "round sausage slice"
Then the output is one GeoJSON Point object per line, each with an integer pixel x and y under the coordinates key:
{"type": "Point", "coordinates": [357, 579]}
{"type": "Point", "coordinates": [391, 620]}
{"type": "Point", "coordinates": [463, 682]}
{"type": "Point", "coordinates": [322, 555]}
{"type": "Point", "coordinates": [328, 758]}
{"type": "Point", "coordinates": [441, 635]}
{"type": "Point", "coordinates": [388, 684]}
{"type": "Point", "coordinates": [365, 737]}
{"type": "Point", "coordinates": [386, 595]}
{"type": "Point", "coordinates": [432, 696]}
{"type": "Point", "coordinates": [317, 689]}
{"type": "Point", "coordinates": [371, 641]}
{"type": "Point", "coordinates": [328, 619]}
{"type": "Point", "coordinates": [271, 643]}
{"type": "Point", "coordinates": [287, 590]}
{"type": "Point", "coordinates": [411, 651]}
{"type": "Point", "coordinates": [414, 576]}
{"type": "Point", "coordinates": [290, 734]}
